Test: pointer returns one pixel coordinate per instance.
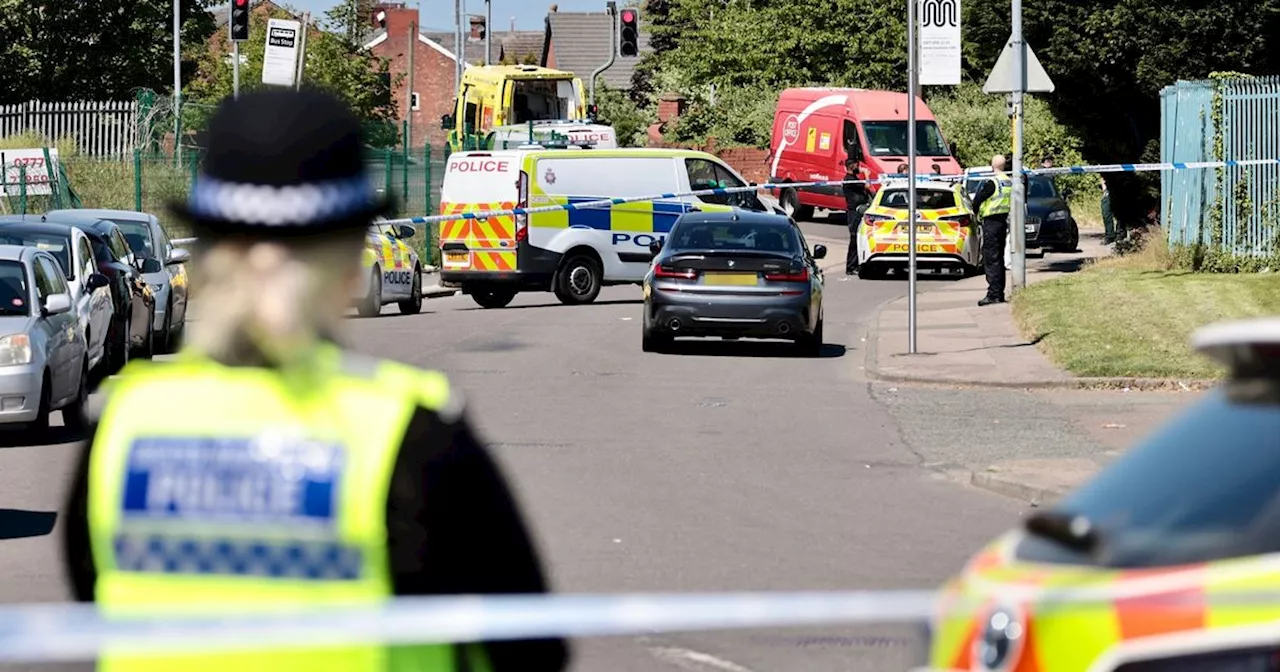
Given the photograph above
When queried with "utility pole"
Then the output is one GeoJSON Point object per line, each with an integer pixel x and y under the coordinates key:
{"type": "Point", "coordinates": [912, 78]}
{"type": "Point", "coordinates": [177, 82]}
{"type": "Point", "coordinates": [302, 51]}
{"type": "Point", "coordinates": [457, 44]}
{"type": "Point", "coordinates": [488, 32]}
{"type": "Point", "coordinates": [408, 129]}
{"type": "Point", "coordinates": [1018, 210]}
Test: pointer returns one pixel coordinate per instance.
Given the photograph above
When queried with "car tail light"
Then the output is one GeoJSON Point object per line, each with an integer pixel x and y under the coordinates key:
{"type": "Point", "coordinates": [522, 201]}
{"type": "Point", "coordinates": [798, 276]}
{"type": "Point", "coordinates": [961, 220]}
{"type": "Point", "coordinates": [675, 273]}
{"type": "Point", "coordinates": [873, 219]}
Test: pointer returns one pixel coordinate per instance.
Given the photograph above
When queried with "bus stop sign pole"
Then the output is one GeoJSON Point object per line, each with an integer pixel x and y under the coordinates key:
{"type": "Point", "coordinates": [913, 77]}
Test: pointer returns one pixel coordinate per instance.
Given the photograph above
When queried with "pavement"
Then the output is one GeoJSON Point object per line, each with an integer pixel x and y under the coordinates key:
{"type": "Point", "coordinates": [963, 345]}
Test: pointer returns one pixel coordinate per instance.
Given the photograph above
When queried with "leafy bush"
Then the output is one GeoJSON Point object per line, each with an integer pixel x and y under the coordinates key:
{"type": "Point", "coordinates": [734, 117]}
{"type": "Point", "coordinates": [629, 120]}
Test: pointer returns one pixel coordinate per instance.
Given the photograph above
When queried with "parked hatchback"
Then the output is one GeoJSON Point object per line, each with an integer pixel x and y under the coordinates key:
{"type": "Point", "coordinates": [135, 303]}
{"type": "Point", "coordinates": [90, 290]}
{"type": "Point", "coordinates": [44, 364]}
{"type": "Point", "coordinates": [147, 239]}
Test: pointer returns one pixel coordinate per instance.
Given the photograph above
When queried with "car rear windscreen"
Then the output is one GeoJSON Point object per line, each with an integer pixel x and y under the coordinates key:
{"type": "Point", "coordinates": [57, 246]}
{"type": "Point", "coordinates": [13, 289]}
{"type": "Point", "coordinates": [926, 199]}
{"type": "Point", "coordinates": [733, 236]}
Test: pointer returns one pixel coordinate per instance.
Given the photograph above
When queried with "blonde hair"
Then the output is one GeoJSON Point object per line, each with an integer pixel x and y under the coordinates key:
{"type": "Point", "coordinates": [263, 302]}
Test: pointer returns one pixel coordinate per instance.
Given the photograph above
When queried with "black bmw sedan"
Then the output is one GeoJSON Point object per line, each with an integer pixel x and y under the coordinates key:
{"type": "Point", "coordinates": [736, 274]}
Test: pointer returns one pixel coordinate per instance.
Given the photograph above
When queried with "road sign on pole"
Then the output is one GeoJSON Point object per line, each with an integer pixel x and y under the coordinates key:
{"type": "Point", "coordinates": [939, 38]}
{"type": "Point", "coordinates": [280, 57]}
{"type": "Point", "coordinates": [1004, 76]}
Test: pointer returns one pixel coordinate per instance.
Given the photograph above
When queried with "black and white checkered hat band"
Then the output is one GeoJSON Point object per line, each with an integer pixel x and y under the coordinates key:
{"type": "Point", "coordinates": [294, 205]}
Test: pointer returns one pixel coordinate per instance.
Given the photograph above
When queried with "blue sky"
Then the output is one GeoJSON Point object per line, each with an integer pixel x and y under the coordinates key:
{"type": "Point", "coordinates": [439, 13]}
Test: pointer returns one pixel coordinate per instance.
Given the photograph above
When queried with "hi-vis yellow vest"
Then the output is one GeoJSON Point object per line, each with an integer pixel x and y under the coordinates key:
{"type": "Point", "coordinates": [1002, 200]}
{"type": "Point", "coordinates": [213, 486]}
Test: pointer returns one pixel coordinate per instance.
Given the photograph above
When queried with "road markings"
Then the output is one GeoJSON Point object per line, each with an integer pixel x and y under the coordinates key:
{"type": "Point", "coordinates": [695, 661]}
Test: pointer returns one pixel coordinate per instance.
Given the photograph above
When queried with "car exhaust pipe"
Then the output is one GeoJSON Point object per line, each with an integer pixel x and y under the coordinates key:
{"type": "Point", "coordinates": [674, 324]}
{"type": "Point", "coordinates": [784, 328]}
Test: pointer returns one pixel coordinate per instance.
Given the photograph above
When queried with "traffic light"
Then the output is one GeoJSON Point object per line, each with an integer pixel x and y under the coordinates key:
{"type": "Point", "coordinates": [240, 20]}
{"type": "Point", "coordinates": [629, 45]}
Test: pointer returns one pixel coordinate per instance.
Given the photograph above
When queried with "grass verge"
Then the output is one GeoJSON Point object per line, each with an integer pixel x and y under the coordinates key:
{"type": "Point", "coordinates": [1133, 315]}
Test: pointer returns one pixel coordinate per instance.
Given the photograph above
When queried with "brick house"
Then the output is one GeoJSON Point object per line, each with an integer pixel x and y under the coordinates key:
{"type": "Point", "coordinates": [434, 63]}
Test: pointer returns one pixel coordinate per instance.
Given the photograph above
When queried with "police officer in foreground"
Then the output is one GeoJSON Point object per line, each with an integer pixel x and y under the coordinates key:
{"type": "Point", "coordinates": [992, 204]}
{"type": "Point", "coordinates": [856, 198]}
{"type": "Point", "coordinates": [267, 467]}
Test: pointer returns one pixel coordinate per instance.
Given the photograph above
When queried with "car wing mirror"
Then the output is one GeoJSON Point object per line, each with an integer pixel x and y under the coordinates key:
{"type": "Point", "coordinates": [819, 251]}
{"type": "Point", "coordinates": [150, 265]}
{"type": "Point", "coordinates": [179, 256]}
{"type": "Point", "coordinates": [56, 304]}
{"type": "Point", "coordinates": [655, 247]}
{"type": "Point", "coordinates": [97, 281]}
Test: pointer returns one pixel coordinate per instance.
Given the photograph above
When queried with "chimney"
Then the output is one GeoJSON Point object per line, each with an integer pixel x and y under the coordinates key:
{"type": "Point", "coordinates": [477, 28]}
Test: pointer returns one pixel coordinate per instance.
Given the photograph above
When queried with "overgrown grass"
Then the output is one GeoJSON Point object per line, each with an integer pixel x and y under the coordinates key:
{"type": "Point", "coordinates": [1133, 315]}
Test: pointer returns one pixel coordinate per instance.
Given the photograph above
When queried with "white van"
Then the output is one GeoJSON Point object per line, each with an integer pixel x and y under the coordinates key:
{"type": "Point", "coordinates": [570, 252]}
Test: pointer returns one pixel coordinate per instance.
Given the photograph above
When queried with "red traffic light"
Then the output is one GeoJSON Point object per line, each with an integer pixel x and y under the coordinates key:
{"type": "Point", "coordinates": [241, 3]}
{"type": "Point", "coordinates": [628, 16]}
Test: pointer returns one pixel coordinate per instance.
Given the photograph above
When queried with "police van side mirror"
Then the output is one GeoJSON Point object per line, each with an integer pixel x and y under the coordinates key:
{"type": "Point", "coordinates": [952, 147]}
{"type": "Point", "coordinates": [656, 246]}
{"type": "Point", "coordinates": [446, 122]}
{"type": "Point", "coordinates": [404, 231]}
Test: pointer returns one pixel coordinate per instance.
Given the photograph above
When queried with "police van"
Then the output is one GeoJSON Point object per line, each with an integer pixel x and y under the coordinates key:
{"type": "Point", "coordinates": [573, 253]}
{"type": "Point", "coordinates": [393, 273]}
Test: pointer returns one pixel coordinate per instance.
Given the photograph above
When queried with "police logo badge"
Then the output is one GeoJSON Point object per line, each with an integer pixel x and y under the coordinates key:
{"type": "Point", "coordinates": [549, 177]}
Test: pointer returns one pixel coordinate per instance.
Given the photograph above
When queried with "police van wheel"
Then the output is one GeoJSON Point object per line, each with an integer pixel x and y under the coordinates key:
{"type": "Point", "coordinates": [790, 202]}
{"type": "Point", "coordinates": [413, 304]}
{"type": "Point", "coordinates": [372, 304]}
{"type": "Point", "coordinates": [493, 298]}
{"type": "Point", "coordinates": [579, 280]}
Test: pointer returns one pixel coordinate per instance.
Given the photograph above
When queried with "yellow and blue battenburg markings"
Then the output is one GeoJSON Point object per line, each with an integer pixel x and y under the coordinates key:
{"type": "Point", "coordinates": [655, 216]}
{"type": "Point", "coordinates": [234, 506]}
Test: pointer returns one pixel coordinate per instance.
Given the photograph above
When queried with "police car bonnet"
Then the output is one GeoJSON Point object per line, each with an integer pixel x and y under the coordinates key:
{"type": "Point", "coordinates": [281, 162]}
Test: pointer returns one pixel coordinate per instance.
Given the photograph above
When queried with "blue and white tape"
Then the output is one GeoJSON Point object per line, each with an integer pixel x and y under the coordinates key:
{"type": "Point", "coordinates": [930, 177]}
{"type": "Point", "coordinates": [76, 632]}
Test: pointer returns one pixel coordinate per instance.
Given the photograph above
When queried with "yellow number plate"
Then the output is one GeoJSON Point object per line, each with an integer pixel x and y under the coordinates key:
{"type": "Point", "coordinates": [920, 247]}
{"type": "Point", "coordinates": [731, 279]}
{"type": "Point", "coordinates": [455, 256]}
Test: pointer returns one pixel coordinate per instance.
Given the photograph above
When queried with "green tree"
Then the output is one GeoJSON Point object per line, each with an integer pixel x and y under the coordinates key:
{"type": "Point", "coordinates": [629, 120]}
{"type": "Point", "coordinates": [59, 50]}
{"type": "Point", "coordinates": [332, 63]}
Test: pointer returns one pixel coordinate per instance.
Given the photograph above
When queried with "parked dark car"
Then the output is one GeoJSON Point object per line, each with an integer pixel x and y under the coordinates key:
{"type": "Point", "coordinates": [1049, 225]}
{"type": "Point", "coordinates": [734, 275]}
{"type": "Point", "coordinates": [135, 303]}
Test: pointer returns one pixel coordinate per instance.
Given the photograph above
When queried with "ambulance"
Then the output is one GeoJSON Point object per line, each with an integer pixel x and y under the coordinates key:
{"type": "Point", "coordinates": [573, 253]}
{"type": "Point", "coordinates": [561, 132]}
{"type": "Point", "coordinates": [393, 272]}
{"type": "Point", "coordinates": [491, 96]}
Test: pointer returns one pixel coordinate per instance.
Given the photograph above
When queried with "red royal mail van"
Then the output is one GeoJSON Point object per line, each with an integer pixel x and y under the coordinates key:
{"type": "Point", "coordinates": [815, 129]}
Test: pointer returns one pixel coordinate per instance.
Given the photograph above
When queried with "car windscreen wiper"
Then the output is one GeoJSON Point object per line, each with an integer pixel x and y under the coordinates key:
{"type": "Point", "coordinates": [1073, 531]}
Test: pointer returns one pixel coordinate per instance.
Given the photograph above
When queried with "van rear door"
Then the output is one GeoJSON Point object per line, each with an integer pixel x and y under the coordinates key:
{"type": "Point", "coordinates": [478, 182]}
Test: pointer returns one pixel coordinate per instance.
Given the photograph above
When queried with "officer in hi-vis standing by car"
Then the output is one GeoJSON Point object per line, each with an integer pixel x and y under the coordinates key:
{"type": "Point", "coordinates": [992, 203]}
{"type": "Point", "coordinates": [268, 467]}
{"type": "Point", "coordinates": [856, 198]}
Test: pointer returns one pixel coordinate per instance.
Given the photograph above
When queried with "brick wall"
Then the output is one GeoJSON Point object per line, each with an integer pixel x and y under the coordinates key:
{"type": "Point", "coordinates": [433, 77]}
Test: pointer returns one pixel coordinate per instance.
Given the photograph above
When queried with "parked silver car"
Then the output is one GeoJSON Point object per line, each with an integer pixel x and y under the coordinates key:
{"type": "Point", "coordinates": [44, 363]}
{"type": "Point", "coordinates": [148, 240]}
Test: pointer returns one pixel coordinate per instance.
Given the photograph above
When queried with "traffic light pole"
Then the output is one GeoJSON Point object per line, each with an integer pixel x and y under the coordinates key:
{"type": "Point", "coordinates": [613, 52]}
{"type": "Point", "coordinates": [235, 69]}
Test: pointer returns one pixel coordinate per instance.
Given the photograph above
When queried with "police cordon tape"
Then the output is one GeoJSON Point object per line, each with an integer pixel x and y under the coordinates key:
{"type": "Point", "coordinates": [930, 177]}
{"type": "Point", "coordinates": [74, 632]}
{"type": "Point", "coordinates": [36, 633]}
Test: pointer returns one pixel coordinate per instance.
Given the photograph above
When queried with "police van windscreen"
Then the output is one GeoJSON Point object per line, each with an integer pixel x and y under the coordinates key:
{"type": "Point", "coordinates": [889, 138]}
{"type": "Point", "coordinates": [480, 178]}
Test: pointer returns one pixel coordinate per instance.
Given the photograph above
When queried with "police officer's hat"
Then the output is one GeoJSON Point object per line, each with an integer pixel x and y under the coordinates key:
{"type": "Point", "coordinates": [281, 162]}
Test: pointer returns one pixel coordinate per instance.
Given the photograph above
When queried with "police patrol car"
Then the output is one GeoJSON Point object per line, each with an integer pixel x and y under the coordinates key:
{"type": "Point", "coordinates": [394, 271]}
{"type": "Point", "coordinates": [570, 252]}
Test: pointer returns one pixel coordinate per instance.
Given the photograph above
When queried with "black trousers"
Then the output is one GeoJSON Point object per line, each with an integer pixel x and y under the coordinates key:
{"type": "Point", "coordinates": [995, 230]}
{"type": "Point", "coordinates": [853, 218]}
